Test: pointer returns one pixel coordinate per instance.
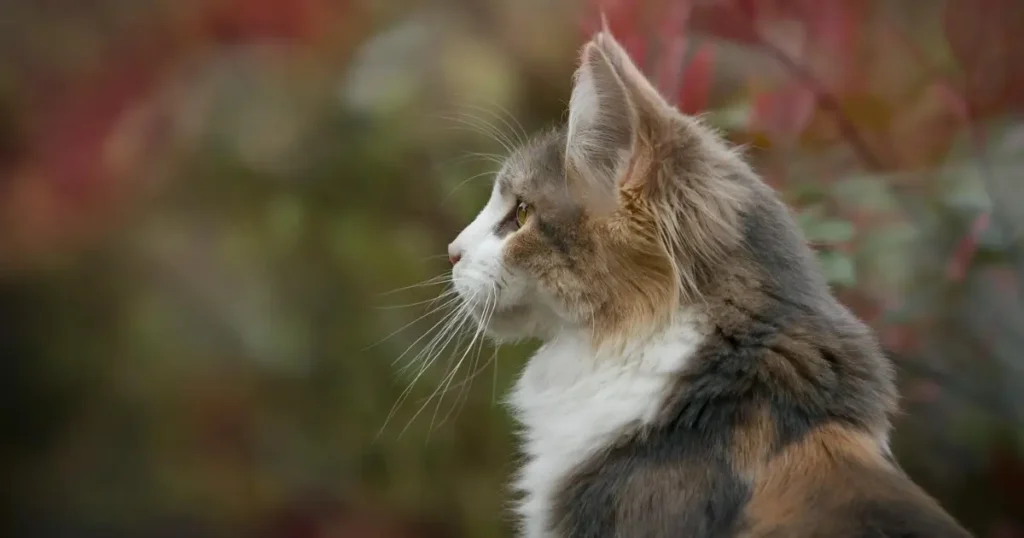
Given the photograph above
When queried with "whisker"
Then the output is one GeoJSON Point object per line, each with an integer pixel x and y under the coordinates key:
{"type": "Point", "coordinates": [446, 382]}
{"type": "Point", "coordinates": [511, 143]}
{"type": "Point", "coordinates": [478, 369]}
{"type": "Point", "coordinates": [475, 371]}
{"type": "Point", "coordinates": [411, 323]}
{"type": "Point", "coordinates": [519, 133]}
{"type": "Point", "coordinates": [494, 379]}
{"type": "Point", "coordinates": [440, 279]}
{"type": "Point", "coordinates": [457, 313]}
{"type": "Point", "coordinates": [432, 257]}
{"type": "Point", "coordinates": [445, 318]}
{"type": "Point", "coordinates": [484, 128]}
{"type": "Point", "coordinates": [485, 157]}
{"type": "Point", "coordinates": [471, 178]}
{"type": "Point", "coordinates": [452, 323]}
{"type": "Point", "coordinates": [429, 355]}
{"type": "Point", "coordinates": [425, 367]}
{"type": "Point", "coordinates": [447, 293]}
{"type": "Point", "coordinates": [467, 99]}
{"type": "Point", "coordinates": [489, 307]}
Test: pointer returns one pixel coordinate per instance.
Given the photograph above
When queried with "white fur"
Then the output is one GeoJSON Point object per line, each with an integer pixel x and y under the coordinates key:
{"type": "Point", "coordinates": [481, 276]}
{"type": "Point", "coordinates": [574, 401]}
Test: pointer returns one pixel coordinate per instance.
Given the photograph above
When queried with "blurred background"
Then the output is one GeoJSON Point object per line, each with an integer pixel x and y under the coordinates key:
{"type": "Point", "coordinates": [212, 211]}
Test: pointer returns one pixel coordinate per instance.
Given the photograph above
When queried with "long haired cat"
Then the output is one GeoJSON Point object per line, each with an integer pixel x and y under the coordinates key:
{"type": "Point", "coordinates": [697, 378]}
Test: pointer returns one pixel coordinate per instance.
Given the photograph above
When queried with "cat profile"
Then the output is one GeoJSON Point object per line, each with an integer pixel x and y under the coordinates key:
{"type": "Point", "coordinates": [697, 378]}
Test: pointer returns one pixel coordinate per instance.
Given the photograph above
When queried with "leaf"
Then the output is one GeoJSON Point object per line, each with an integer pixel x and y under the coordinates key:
{"type": "Point", "coordinates": [967, 192]}
{"type": "Point", "coordinates": [868, 112]}
{"type": "Point", "coordinates": [624, 19]}
{"type": "Point", "coordinates": [827, 230]}
{"type": "Point", "coordinates": [785, 112]}
{"type": "Point", "coordinates": [695, 88]}
{"type": "Point", "coordinates": [868, 192]}
{"type": "Point", "coordinates": [963, 254]}
{"type": "Point", "coordinates": [809, 215]}
{"type": "Point", "coordinates": [241, 20]}
{"type": "Point", "coordinates": [838, 268]}
{"type": "Point", "coordinates": [888, 253]}
{"type": "Point", "coordinates": [286, 216]}
{"type": "Point", "coordinates": [731, 20]}
{"type": "Point", "coordinates": [836, 27]}
{"type": "Point", "coordinates": [730, 118]}
{"type": "Point", "coordinates": [984, 38]}
{"type": "Point", "coordinates": [672, 44]}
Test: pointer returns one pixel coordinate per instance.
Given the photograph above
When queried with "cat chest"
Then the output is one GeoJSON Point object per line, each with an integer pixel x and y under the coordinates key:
{"type": "Point", "coordinates": [566, 425]}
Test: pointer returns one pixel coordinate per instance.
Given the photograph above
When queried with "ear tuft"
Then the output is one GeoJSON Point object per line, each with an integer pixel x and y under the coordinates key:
{"type": "Point", "coordinates": [643, 93]}
{"type": "Point", "coordinates": [601, 120]}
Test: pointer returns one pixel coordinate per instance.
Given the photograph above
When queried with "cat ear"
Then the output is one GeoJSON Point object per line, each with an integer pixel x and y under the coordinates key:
{"type": "Point", "coordinates": [611, 104]}
{"type": "Point", "coordinates": [601, 120]}
{"type": "Point", "coordinates": [649, 105]}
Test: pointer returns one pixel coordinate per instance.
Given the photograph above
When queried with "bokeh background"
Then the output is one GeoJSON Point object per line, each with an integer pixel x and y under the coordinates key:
{"type": "Point", "coordinates": [206, 207]}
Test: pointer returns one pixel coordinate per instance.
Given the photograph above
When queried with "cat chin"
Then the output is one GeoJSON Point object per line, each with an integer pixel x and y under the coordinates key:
{"type": "Point", "coordinates": [515, 323]}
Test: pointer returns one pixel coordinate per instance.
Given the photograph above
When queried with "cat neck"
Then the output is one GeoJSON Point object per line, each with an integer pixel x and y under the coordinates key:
{"type": "Point", "coordinates": [574, 400]}
{"type": "Point", "coordinates": [574, 353]}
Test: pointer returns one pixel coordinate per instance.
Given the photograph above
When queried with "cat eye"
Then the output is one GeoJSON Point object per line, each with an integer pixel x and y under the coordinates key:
{"type": "Point", "coordinates": [522, 214]}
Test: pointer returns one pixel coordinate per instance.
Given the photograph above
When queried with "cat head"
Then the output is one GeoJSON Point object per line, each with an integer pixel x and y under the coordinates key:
{"type": "Point", "coordinates": [610, 223]}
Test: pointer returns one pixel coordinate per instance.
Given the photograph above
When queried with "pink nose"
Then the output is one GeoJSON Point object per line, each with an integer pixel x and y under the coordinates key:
{"type": "Point", "coordinates": [454, 254]}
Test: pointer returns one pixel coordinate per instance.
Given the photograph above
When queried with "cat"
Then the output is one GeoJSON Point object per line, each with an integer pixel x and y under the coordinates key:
{"type": "Point", "coordinates": [697, 378]}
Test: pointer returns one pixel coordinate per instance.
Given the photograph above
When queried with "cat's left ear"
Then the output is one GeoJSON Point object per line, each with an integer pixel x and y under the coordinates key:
{"type": "Point", "coordinates": [613, 106]}
{"type": "Point", "coordinates": [648, 103]}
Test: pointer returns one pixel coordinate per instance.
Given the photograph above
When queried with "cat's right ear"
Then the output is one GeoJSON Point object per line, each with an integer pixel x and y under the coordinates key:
{"type": "Point", "coordinates": [602, 120]}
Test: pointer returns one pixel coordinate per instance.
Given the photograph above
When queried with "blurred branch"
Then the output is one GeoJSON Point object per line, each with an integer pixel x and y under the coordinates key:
{"type": "Point", "coordinates": [825, 98]}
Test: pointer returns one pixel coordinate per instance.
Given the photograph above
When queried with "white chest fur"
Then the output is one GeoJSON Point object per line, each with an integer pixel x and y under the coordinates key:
{"type": "Point", "coordinates": [572, 402]}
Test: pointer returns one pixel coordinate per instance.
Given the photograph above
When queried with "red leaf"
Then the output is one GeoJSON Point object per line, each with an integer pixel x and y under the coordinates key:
{"type": "Point", "coordinates": [952, 99]}
{"type": "Point", "coordinates": [984, 36]}
{"type": "Point", "coordinates": [240, 20]}
{"type": "Point", "coordinates": [834, 27]}
{"type": "Point", "coordinates": [72, 167]}
{"type": "Point", "coordinates": [671, 37]}
{"type": "Point", "coordinates": [69, 148]}
{"type": "Point", "coordinates": [730, 20]}
{"type": "Point", "coordinates": [624, 19]}
{"type": "Point", "coordinates": [785, 112]}
{"type": "Point", "coordinates": [965, 250]}
{"type": "Point", "coordinates": [695, 91]}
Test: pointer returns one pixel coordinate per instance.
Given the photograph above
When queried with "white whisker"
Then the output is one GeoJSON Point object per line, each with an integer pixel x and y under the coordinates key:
{"type": "Point", "coordinates": [447, 317]}
{"type": "Point", "coordinates": [475, 369]}
{"type": "Point", "coordinates": [443, 295]}
{"type": "Point", "coordinates": [455, 319]}
{"type": "Point", "coordinates": [411, 323]}
{"type": "Point", "coordinates": [430, 360]}
{"type": "Point", "coordinates": [444, 386]}
{"type": "Point", "coordinates": [520, 133]}
{"type": "Point", "coordinates": [477, 156]}
{"type": "Point", "coordinates": [437, 280]}
{"type": "Point", "coordinates": [506, 141]}
{"type": "Point", "coordinates": [485, 128]}
{"type": "Point", "coordinates": [463, 182]}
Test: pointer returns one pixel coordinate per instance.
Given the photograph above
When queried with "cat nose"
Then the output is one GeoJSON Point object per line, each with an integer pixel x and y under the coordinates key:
{"type": "Point", "coordinates": [454, 254]}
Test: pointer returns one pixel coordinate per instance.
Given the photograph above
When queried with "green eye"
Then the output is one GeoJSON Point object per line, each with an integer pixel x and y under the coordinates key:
{"type": "Point", "coordinates": [523, 213]}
